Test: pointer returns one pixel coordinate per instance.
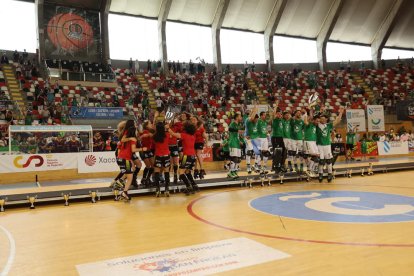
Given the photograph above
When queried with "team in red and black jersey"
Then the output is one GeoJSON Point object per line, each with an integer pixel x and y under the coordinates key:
{"type": "Point", "coordinates": [159, 146]}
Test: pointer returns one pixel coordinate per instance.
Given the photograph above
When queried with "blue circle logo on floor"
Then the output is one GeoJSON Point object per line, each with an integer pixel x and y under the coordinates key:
{"type": "Point", "coordinates": [338, 206]}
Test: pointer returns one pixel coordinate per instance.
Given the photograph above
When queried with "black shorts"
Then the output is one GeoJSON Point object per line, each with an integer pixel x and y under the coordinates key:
{"type": "Point", "coordinates": [162, 161]}
{"type": "Point", "coordinates": [146, 154]}
{"type": "Point", "coordinates": [187, 162]}
{"type": "Point", "coordinates": [350, 146]}
{"type": "Point", "coordinates": [277, 142]}
{"type": "Point", "coordinates": [174, 151]}
{"type": "Point", "coordinates": [225, 155]}
{"type": "Point", "coordinates": [198, 146]}
{"type": "Point", "coordinates": [180, 146]}
{"type": "Point", "coordinates": [135, 156]}
{"type": "Point", "coordinates": [124, 165]}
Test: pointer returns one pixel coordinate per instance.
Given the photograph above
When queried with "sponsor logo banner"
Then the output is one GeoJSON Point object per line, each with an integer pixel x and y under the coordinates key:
{"type": "Point", "coordinates": [355, 118]}
{"type": "Point", "coordinates": [201, 259]}
{"type": "Point", "coordinates": [389, 148]}
{"type": "Point", "coordinates": [207, 154]}
{"type": "Point", "coordinates": [375, 118]}
{"type": "Point", "coordinates": [37, 162]}
{"type": "Point", "coordinates": [97, 112]}
{"type": "Point", "coordinates": [369, 149]}
{"type": "Point", "coordinates": [90, 162]}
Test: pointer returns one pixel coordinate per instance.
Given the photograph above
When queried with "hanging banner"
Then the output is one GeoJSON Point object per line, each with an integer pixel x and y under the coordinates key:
{"type": "Point", "coordinates": [405, 110]}
{"type": "Point", "coordinates": [375, 114]}
{"type": "Point", "coordinates": [390, 148]}
{"type": "Point", "coordinates": [97, 113]}
{"type": "Point", "coordinates": [355, 118]}
{"type": "Point", "coordinates": [37, 162]}
{"type": "Point", "coordinates": [91, 162]}
{"type": "Point", "coordinates": [71, 33]}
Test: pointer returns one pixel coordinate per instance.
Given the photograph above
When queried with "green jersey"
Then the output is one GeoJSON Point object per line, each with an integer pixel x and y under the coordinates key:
{"type": "Point", "coordinates": [234, 138]}
{"type": "Point", "coordinates": [262, 127]}
{"type": "Point", "coordinates": [323, 134]}
{"type": "Point", "coordinates": [277, 127]}
{"type": "Point", "coordinates": [226, 147]}
{"type": "Point", "coordinates": [252, 129]}
{"type": "Point", "coordinates": [310, 132]}
{"type": "Point", "coordinates": [287, 130]}
{"type": "Point", "coordinates": [351, 138]}
{"type": "Point", "coordinates": [297, 129]}
{"type": "Point", "coordinates": [364, 146]}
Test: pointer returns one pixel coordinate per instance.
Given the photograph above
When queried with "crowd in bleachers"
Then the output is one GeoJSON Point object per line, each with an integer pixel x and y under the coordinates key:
{"type": "Point", "coordinates": [393, 84]}
{"type": "Point", "coordinates": [214, 96]}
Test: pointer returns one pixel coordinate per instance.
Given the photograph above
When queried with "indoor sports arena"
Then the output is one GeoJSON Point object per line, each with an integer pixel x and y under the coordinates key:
{"type": "Point", "coordinates": [206, 137]}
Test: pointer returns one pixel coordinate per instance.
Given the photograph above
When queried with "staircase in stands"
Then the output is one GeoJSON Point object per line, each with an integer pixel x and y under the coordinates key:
{"type": "Point", "coordinates": [360, 81]}
{"type": "Point", "coordinates": [259, 92]}
{"type": "Point", "coordinates": [14, 88]}
{"type": "Point", "coordinates": [144, 84]}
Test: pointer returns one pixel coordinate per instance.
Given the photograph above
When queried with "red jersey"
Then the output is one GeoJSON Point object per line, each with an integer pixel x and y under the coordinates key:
{"type": "Point", "coordinates": [172, 140]}
{"type": "Point", "coordinates": [162, 149]}
{"type": "Point", "coordinates": [125, 152]}
{"type": "Point", "coordinates": [147, 142]}
{"type": "Point", "coordinates": [178, 127]}
{"type": "Point", "coordinates": [188, 143]}
{"type": "Point", "coordinates": [199, 135]}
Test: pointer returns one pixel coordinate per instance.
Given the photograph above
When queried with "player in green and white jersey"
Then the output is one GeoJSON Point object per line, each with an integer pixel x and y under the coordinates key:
{"type": "Point", "coordinates": [311, 152]}
{"type": "Point", "coordinates": [252, 135]}
{"type": "Point", "coordinates": [225, 151]}
{"type": "Point", "coordinates": [287, 138]}
{"type": "Point", "coordinates": [261, 143]}
{"type": "Point", "coordinates": [323, 140]}
{"type": "Point", "coordinates": [235, 129]}
{"type": "Point", "coordinates": [297, 125]}
{"type": "Point", "coordinates": [249, 146]}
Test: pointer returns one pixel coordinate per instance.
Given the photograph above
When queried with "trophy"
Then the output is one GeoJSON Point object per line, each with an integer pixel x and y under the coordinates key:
{"type": "Point", "coordinates": [93, 195]}
{"type": "Point", "coordinates": [32, 200]}
{"type": "Point", "coordinates": [370, 170]}
{"type": "Point", "coordinates": [313, 100]}
{"type": "Point", "coordinates": [282, 176]}
{"type": "Point", "coordinates": [2, 203]}
{"type": "Point", "coordinates": [170, 113]}
{"type": "Point", "coordinates": [116, 194]}
{"type": "Point", "coordinates": [66, 198]}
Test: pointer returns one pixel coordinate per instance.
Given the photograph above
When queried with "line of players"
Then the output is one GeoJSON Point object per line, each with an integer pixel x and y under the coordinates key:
{"type": "Point", "coordinates": [159, 145]}
{"type": "Point", "coordinates": [298, 139]}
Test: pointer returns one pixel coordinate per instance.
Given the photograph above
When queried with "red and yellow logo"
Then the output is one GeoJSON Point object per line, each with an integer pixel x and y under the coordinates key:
{"type": "Point", "coordinates": [17, 160]}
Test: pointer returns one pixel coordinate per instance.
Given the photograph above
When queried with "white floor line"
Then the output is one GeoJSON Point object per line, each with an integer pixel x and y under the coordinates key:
{"type": "Point", "coordinates": [12, 252]}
